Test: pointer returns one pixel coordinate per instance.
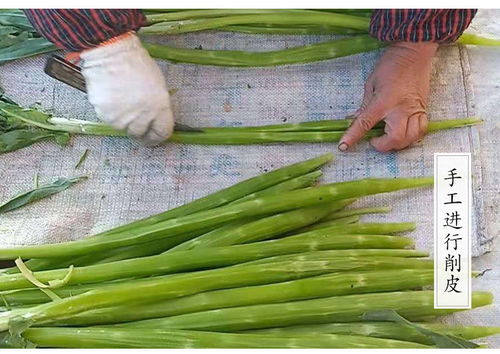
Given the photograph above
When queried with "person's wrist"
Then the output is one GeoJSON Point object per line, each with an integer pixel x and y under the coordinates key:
{"type": "Point", "coordinates": [112, 47]}
{"type": "Point", "coordinates": [417, 50]}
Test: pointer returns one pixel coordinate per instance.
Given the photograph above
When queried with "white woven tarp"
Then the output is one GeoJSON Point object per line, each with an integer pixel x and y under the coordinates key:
{"type": "Point", "coordinates": [127, 181]}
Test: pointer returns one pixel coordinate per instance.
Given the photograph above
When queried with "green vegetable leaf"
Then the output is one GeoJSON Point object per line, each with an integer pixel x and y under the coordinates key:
{"type": "Point", "coordinates": [5, 30]}
{"type": "Point", "coordinates": [26, 48]}
{"type": "Point", "coordinates": [9, 123]}
{"type": "Point", "coordinates": [26, 115]}
{"type": "Point", "coordinates": [9, 40]}
{"type": "Point", "coordinates": [82, 159]}
{"type": "Point", "coordinates": [15, 18]}
{"type": "Point", "coordinates": [62, 138]}
{"type": "Point", "coordinates": [18, 38]}
{"type": "Point", "coordinates": [40, 193]}
{"type": "Point", "coordinates": [20, 138]}
{"type": "Point", "coordinates": [441, 340]}
{"type": "Point", "coordinates": [20, 127]}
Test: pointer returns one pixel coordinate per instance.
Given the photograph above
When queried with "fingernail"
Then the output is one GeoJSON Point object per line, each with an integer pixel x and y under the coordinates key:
{"type": "Point", "coordinates": [343, 147]}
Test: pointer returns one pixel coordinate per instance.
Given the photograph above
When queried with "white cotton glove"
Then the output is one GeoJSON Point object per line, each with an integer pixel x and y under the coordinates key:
{"type": "Point", "coordinates": [127, 89]}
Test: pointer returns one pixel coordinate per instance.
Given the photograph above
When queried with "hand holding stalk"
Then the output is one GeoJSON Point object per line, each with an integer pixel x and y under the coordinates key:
{"type": "Point", "coordinates": [396, 92]}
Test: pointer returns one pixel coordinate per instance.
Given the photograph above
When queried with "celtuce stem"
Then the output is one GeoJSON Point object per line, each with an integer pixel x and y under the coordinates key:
{"type": "Point", "coordinates": [190, 260]}
{"type": "Point", "coordinates": [297, 55]}
{"type": "Point", "coordinates": [136, 338]}
{"type": "Point", "coordinates": [413, 305]}
{"type": "Point", "coordinates": [203, 219]}
{"type": "Point", "coordinates": [383, 330]}
{"type": "Point", "coordinates": [283, 179]}
{"type": "Point", "coordinates": [263, 228]}
{"type": "Point", "coordinates": [335, 284]}
{"type": "Point", "coordinates": [290, 18]}
{"type": "Point", "coordinates": [168, 287]}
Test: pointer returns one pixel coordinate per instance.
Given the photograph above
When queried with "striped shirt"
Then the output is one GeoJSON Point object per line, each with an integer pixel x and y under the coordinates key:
{"type": "Point", "coordinates": [420, 25]}
{"type": "Point", "coordinates": [79, 29]}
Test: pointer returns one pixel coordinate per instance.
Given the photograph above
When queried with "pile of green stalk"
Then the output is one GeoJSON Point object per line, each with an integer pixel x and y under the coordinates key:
{"type": "Point", "coordinates": [21, 127]}
{"type": "Point", "coordinates": [352, 24]}
{"type": "Point", "coordinates": [275, 261]}
{"type": "Point", "coordinates": [16, 35]}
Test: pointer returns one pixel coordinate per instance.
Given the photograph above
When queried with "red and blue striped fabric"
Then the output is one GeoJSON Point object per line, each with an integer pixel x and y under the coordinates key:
{"type": "Point", "coordinates": [79, 29]}
{"type": "Point", "coordinates": [420, 25]}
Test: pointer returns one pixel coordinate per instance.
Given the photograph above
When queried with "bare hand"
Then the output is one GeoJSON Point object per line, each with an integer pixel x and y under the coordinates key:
{"type": "Point", "coordinates": [397, 92]}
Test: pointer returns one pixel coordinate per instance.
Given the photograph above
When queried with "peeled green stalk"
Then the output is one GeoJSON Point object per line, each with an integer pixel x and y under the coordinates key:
{"type": "Point", "coordinates": [189, 260]}
{"type": "Point", "coordinates": [245, 137]}
{"type": "Point", "coordinates": [42, 120]}
{"type": "Point", "coordinates": [330, 254]}
{"type": "Point", "coordinates": [306, 180]}
{"type": "Point", "coordinates": [346, 217]}
{"type": "Point", "coordinates": [365, 228]}
{"type": "Point", "coordinates": [33, 296]}
{"type": "Point", "coordinates": [232, 193]}
{"type": "Point", "coordinates": [262, 229]}
{"type": "Point", "coordinates": [290, 18]}
{"type": "Point", "coordinates": [438, 125]}
{"type": "Point", "coordinates": [21, 297]}
{"type": "Point", "coordinates": [383, 330]}
{"type": "Point", "coordinates": [381, 228]}
{"type": "Point", "coordinates": [161, 245]}
{"type": "Point", "coordinates": [307, 126]}
{"type": "Point", "coordinates": [208, 13]}
{"type": "Point", "coordinates": [357, 211]}
{"type": "Point", "coordinates": [297, 55]}
{"type": "Point", "coordinates": [412, 305]}
{"type": "Point", "coordinates": [94, 337]}
{"type": "Point", "coordinates": [325, 130]}
{"type": "Point", "coordinates": [340, 221]}
{"type": "Point", "coordinates": [321, 131]}
{"type": "Point", "coordinates": [335, 284]}
{"type": "Point", "coordinates": [194, 259]}
{"type": "Point", "coordinates": [203, 219]}
{"type": "Point", "coordinates": [167, 287]}
{"type": "Point", "coordinates": [111, 255]}
{"type": "Point", "coordinates": [473, 39]}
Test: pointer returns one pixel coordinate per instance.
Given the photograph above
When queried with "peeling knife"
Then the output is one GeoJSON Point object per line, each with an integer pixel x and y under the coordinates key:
{"type": "Point", "coordinates": [62, 70]}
